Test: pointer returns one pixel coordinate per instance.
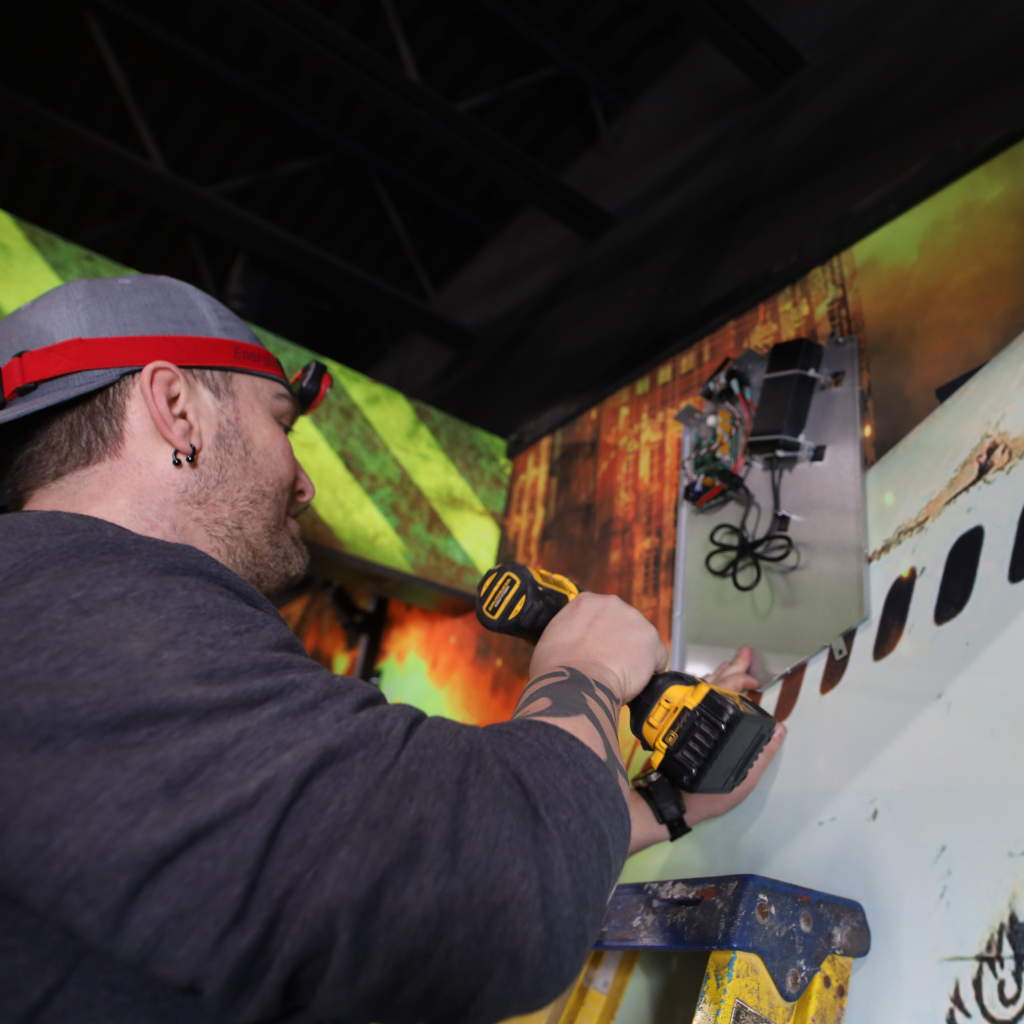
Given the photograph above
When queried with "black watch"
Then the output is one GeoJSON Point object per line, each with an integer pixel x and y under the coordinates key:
{"type": "Point", "coordinates": [665, 801]}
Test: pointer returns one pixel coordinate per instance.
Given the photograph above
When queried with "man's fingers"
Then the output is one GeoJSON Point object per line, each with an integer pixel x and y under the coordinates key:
{"type": "Point", "coordinates": [733, 675]}
{"type": "Point", "coordinates": [735, 680]}
{"type": "Point", "coordinates": [662, 657]}
{"type": "Point", "coordinates": [742, 659]}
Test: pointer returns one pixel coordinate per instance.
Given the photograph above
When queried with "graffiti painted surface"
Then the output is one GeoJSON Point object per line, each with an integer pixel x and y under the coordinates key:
{"type": "Point", "coordinates": [995, 988]}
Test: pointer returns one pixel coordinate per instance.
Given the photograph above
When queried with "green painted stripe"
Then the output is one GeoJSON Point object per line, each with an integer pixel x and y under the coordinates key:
{"type": "Point", "coordinates": [433, 472]}
{"type": "Point", "coordinates": [434, 552]}
{"type": "Point", "coordinates": [343, 504]}
{"type": "Point", "coordinates": [478, 455]}
{"type": "Point", "coordinates": [24, 274]}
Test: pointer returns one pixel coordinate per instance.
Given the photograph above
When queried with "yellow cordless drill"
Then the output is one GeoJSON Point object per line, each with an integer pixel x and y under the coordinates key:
{"type": "Point", "coordinates": [702, 738]}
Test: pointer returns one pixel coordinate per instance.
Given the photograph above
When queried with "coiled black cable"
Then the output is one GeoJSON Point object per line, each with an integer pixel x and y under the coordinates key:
{"type": "Point", "coordinates": [744, 553]}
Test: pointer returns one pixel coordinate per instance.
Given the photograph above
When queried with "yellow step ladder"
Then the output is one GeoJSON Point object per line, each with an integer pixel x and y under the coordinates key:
{"type": "Point", "coordinates": [775, 953]}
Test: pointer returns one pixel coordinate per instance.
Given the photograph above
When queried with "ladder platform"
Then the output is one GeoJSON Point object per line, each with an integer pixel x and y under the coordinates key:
{"type": "Point", "coordinates": [792, 929]}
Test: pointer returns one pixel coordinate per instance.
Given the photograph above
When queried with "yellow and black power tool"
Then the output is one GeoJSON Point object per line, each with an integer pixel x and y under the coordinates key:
{"type": "Point", "coordinates": [702, 738]}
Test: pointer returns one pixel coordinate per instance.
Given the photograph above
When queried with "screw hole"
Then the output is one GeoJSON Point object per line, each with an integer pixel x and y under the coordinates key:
{"type": "Point", "coordinates": [762, 912]}
{"type": "Point", "coordinates": [792, 980]}
{"type": "Point", "coordinates": [806, 924]}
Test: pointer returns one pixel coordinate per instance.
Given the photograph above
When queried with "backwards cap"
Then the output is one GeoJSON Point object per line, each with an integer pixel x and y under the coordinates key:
{"type": "Point", "coordinates": [87, 334]}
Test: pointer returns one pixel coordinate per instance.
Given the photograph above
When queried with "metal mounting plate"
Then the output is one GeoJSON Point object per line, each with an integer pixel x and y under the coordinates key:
{"type": "Point", "coordinates": [789, 616]}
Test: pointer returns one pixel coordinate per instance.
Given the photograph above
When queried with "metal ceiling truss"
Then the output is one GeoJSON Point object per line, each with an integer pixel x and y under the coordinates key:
{"type": "Point", "coordinates": [338, 141]}
{"type": "Point", "coordinates": [297, 26]}
{"type": "Point", "coordinates": [42, 129]}
{"type": "Point", "coordinates": [749, 40]}
{"type": "Point", "coordinates": [144, 133]}
{"type": "Point", "coordinates": [573, 67]}
{"type": "Point", "coordinates": [744, 35]}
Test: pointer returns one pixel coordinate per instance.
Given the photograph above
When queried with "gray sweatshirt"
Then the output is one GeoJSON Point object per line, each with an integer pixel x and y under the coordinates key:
{"type": "Point", "coordinates": [199, 823]}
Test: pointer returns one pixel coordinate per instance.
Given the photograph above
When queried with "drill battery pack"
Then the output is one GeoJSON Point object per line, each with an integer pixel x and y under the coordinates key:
{"type": "Point", "coordinates": [702, 738]}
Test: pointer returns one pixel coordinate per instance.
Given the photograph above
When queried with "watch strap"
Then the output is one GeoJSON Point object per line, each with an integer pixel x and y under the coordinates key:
{"type": "Point", "coordinates": [666, 801]}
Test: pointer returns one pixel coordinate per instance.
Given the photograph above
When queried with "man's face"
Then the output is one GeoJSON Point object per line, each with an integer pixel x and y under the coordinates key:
{"type": "Point", "coordinates": [250, 486]}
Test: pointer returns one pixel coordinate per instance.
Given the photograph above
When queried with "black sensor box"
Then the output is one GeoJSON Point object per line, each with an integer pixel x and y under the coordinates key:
{"type": "Point", "coordinates": [789, 383]}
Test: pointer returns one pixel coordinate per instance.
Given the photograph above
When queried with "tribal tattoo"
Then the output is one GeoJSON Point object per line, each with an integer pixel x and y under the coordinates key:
{"type": "Point", "coordinates": [568, 693]}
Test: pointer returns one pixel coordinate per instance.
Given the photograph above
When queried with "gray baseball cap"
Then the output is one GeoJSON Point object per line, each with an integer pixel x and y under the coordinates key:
{"type": "Point", "coordinates": [110, 307]}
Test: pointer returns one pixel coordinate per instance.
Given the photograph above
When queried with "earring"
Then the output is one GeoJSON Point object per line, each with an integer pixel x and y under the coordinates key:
{"type": "Point", "coordinates": [175, 461]}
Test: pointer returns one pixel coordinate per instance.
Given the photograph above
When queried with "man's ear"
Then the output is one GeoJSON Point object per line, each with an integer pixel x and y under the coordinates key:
{"type": "Point", "coordinates": [171, 398]}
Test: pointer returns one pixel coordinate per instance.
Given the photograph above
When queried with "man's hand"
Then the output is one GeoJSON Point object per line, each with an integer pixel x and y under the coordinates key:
{"type": "Point", "coordinates": [595, 654]}
{"type": "Point", "coordinates": [730, 675]}
{"type": "Point", "coordinates": [604, 637]}
{"type": "Point", "coordinates": [733, 675]}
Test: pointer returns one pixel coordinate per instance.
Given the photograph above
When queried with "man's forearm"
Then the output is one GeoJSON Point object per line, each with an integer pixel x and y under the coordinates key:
{"type": "Point", "coordinates": [579, 703]}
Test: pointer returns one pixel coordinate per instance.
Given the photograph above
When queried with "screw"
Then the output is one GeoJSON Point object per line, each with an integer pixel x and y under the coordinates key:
{"type": "Point", "coordinates": [806, 924]}
{"type": "Point", "coordinates": [762, 912]}
{"type": "Point", "coordinates": [792, 979]}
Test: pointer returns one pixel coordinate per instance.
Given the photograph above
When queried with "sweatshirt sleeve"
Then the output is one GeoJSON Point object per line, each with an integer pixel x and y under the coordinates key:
{"type": "Point", "coordinates": [215, 810]}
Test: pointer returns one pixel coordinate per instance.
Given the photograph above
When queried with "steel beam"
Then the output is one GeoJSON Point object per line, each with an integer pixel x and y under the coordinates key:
{"type": "Point", "coordinates": [402, 234]}
{"type": "Point", "coordinates": [505, 89]}
{"type": "Point", "coordinates": [337, 140]}
{"type": "Point", "coordinates": [543, 45]}
{"type": "Point", "coordinates": [302, 29]}
{"type": "Point", "coordinates": [289, 169]}
{"type": "Point", "coordinates": [401, 41]}
{"type": "Point", "coordinates": [145, 134]}
{"type": "Point", "coordinates": [749, 40]}
{"type": "Point", "coordinates": [54, 134]}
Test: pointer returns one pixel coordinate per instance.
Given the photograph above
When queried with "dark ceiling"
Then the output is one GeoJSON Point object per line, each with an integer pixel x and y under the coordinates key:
{"type": "Point", "coordinates": [506, 207]}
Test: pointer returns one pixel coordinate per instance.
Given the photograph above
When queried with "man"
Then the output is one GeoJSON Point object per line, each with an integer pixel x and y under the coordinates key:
{"type": "Point", "coordinates": [199, 822]}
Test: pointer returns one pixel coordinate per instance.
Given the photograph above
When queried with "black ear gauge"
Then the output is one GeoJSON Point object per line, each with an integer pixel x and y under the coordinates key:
{"type": "Point", "coordinates": [175, 461]}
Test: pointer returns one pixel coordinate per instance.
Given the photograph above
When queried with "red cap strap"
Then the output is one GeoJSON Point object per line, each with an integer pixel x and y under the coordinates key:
{"type": "Point", "coordinates": [78, 354]}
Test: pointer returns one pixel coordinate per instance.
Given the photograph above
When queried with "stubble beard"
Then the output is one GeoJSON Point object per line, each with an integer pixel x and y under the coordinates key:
{"type": "Point", "coordinates": [244, 514]}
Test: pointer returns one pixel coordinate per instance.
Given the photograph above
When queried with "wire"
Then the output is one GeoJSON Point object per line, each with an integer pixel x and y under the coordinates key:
{"type": "Point", "coordinates": [744, 552]}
